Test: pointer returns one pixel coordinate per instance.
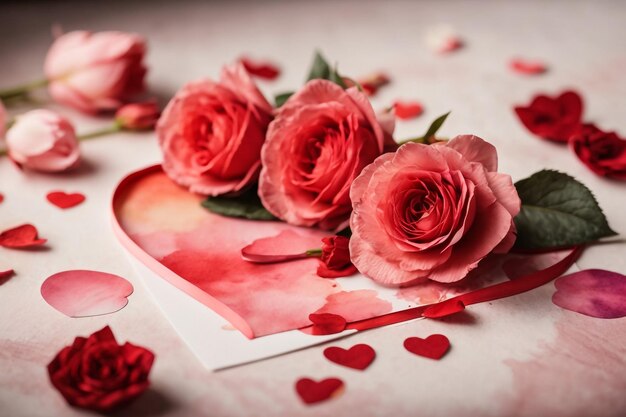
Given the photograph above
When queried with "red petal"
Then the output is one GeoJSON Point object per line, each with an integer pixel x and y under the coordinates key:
{"type": "Point", "coordinates": [261, 69]}
{"type": "Point", "coordinates": [324, 272]}
{"type": "Point", "coordinates": [327, 323]}
{"type": "Point", "coordinates": [312, 392]}
{"type": "Point", "coordinates": [5, 275]}
{"type": "Point", "coordinates": [286, 246]}
{"type": "Point", "coordinates": [522, 66]}
{"type": "Point", "coordinates": [1, 198]}
{"type": "Point", "coordinates": [64, 200]}
{"type": "Point", "coordinates": [407, 109]}
{"type": "Point", "coordinates": [24, 236]}
{"type": "Point", "coordinates": [357, 357]}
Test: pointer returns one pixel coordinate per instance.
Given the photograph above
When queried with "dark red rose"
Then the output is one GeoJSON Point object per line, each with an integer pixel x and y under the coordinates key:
{"type": "Point", "coordinates": [551, 118]}
{"type": "Point", "coordinates": [335, 260]}
{"type": "Point", "coordinates": [603, 152]}
{"type": "Point", "coordinates": [98, 374]}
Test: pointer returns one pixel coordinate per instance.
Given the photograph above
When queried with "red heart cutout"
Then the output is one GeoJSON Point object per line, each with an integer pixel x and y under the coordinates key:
{"type": "Point", "coordinates": [327, 323]}
{"type": "Point", "coordinates": [313, 392]}
{"type": "Point", "coordinates": [24, 236]}
{"type": "Point", "coordinates": [433, 347]}
{"type": "Point", "coordinates": [357, 357]}
{"type": "Point", "coordinates": [63, 200]}
{"type": "Point", "coordinates": [443, 309]}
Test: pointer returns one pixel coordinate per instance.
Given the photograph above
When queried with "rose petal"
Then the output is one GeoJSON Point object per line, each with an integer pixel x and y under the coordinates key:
{"type": "Point", "coordinates": [327, 323]}
{"type": "Point", "coordinates": [24, 236]}
{"type": "Point", "coordinates": [522, 66]}
{"type": "Point", "coordinates": [261, 69]}
{"type": "Point", "coordinates": [407, 110]}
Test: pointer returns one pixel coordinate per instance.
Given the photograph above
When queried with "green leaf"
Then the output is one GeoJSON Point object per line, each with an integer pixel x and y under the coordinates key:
{"type": "Point", "coordinates": [247, 206]}
{"type": "Point", "coordinates": [557, 211]}
{"type": "Point", "coordinates": [280, 99]}
{"type": "Point", "coordinates": [322, 70]}
{"type": "Point", "coordinates": [430, 133]}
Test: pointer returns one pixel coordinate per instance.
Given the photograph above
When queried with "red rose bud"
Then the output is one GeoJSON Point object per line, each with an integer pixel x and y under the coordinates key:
{"type": "Point", "coordinates": [138, 116]}
{"type": "Point", "coordinates": [603, 152]}
{"type": "Point", "coordinates": [553, 118]}
{"type": "Point", "coordinates": [99, 374]}
{"type": "Point", "coordinates": [335, 261]}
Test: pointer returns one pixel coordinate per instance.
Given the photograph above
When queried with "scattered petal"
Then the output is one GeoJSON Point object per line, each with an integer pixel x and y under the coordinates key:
{"type": "Point", "coordinates": [261, 69]}
{"type": "Point", "coordinates": [592, 292]}
{"type": "Point", "coordinates": [64, 200]}
{"type": "Point", "coordinates": [443, 39]}
{"type": "Point", "coordinates": [82, 293]}
{"type": "Point", "coordinates": [21, 237]}
{"type": "Point", "coordinates": [406, 110]}
{"type": "Point", "coordinates": [327, 323]}
{"type": "Point", "coordinates": [286, 246]}
{"type": "Point", "coordinates": [522, 66]}
{"type": "Point", "coordinates": [357, 357]}
{"type": "Point", "coordinates": [444, 309]}
{"type": "Point", "coordinates": [312, 392]}
{"type": "Point", "coordinates": [372, 83]}
{"type": "Point", "coordinates": [433, 347]}
{"type": "Point", "coordinates": [1, 197]}
{"type": "Point", "coordinates": [5, 275]}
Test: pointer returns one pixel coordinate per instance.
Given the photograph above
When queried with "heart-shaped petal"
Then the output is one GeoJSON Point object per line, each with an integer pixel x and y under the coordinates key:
{"type": "Point", "coordinates": [357, 357]}
{"type": "Point", "coordinates": [64, 200]}
{"type": "Point", "coordinates": [21, 237]}
{"type": "Point", "coordinates": [433, 347]}
{"type": "Point", "coordinates": [83, 293]}
{"type": "Point", "coordinates": [312, 392]}
{"type": "Point", "coordinates": [327, 323]}
{"type": "Point", "coordinates": [592, 292]}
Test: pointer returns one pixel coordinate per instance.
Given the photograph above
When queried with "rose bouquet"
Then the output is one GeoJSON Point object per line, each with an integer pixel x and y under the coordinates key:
{"type": "Point", "coordinates": [415, 210]}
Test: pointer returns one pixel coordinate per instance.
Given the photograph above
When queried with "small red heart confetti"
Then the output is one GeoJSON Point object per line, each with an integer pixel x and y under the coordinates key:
{"type": "Point", "coordinates": [260, 69]}
{"type": "Point", "coordinates": [5, 275]}
{"type": "Point", "coordinates": [24, 236]}
{"type": "Point", "coordinates": [443, 309]}
{"type": "Point", "coordinates": [406, 110]}
{"type": "Point", "coordinates": [64, 200]}
{"type": "Point", "coordinates": [525, 67]}
{"type": "Point", "coordinates": [433, 347]}
{"type": "Point", "coordinates": [327, 323]}
{"type": "Point", "coordinates": [312, 392]}
{"type": "Point", "coordinates": [357, 357]}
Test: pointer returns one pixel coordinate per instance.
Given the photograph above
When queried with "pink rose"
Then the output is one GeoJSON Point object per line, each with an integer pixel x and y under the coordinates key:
{"type": "Point", "coordinates": [138, 116]}
{"type": "Point", "coordinates": [95, 71]}
{"type": "Point", "coordinates": [431, 212]}
{"type": "Point", "coordinates": [321, 139]}
{"type": "Point", "coordinates": [211, 133]}
{"type": "Point", "coordinates": [44, 141]}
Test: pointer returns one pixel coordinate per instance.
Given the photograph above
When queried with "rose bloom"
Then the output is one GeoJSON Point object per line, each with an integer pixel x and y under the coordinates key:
{"type": "Point", "coordinates": [603, 152]}
{"type": "Point", "coordinates": [431, 212]}
{"type": "Point", "coordinates": [321, 139]}
{"type": "Point", "coordinates": [553, 118]}
{"type": "Point", "coordinates": [138, 116]}
{"type": "Point", "coordinates": [335, 260]}
{"type": "Point", "coordinates": [95, 72]}
{"type": "Point", "coordinates": [98, 374]}
{"type": "Point", "coordinates": [211, 133]}
{"type": "Point", "coordinates": [42, 140]}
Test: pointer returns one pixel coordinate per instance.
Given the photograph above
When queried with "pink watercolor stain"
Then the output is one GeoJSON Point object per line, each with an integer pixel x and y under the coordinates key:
{"type": "Point", "coordinates": [83, 293]}
{"type": "Point", "coordinates": [592, 292]}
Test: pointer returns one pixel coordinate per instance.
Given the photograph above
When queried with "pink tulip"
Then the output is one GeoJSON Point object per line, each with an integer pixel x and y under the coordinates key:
{"type": "Point", "coordinates": [95, 72]}
{"type": "Point", "coordinates": [42, 140]}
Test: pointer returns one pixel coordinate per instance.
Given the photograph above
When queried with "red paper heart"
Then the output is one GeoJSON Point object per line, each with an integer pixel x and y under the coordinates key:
{"type": "Point", "coordinates": [433, 347]}
{"type": "Point", "coordinates": [312, 392]}
{"type": "Point", "coordinates": [407, 109]}
{"type": "Point", "coordinates": [24, 236]}
{"type": "Point", "coordinates": [443, 309]}
{"type": "Point", "coordinates": [357, 357]}
{"type": "Point", "coordinates": [64, 200]}
{"type": "Point", "coordinates": [327, 323]}
{"type": "Point", "coordinates": [83, 293]}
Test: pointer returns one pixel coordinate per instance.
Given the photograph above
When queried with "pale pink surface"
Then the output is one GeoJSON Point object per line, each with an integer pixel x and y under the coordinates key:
{"type": "Point", "coordinates": [321, 139]}
{"type": "Point", "coordinates": [431, 212]}
{"type": "Point", "coordinates": [82, 293]}
{"type": "Point", "coordinates": [516, 266]}
{"type": "Point", "coordinates": [95, 72]}
{"type": "Point", "coordinates": [204, 249]}
{"type": "Point", "coordinates": [211, 133]}
{"type": "Point", "coordinates": [43, 140]}
{"type": "Point", "coordinates": [592, 292]}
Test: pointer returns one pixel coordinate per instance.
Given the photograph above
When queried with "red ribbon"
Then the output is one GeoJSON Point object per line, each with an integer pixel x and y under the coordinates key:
{"type": "Point", "coordinates": [493, 292]}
